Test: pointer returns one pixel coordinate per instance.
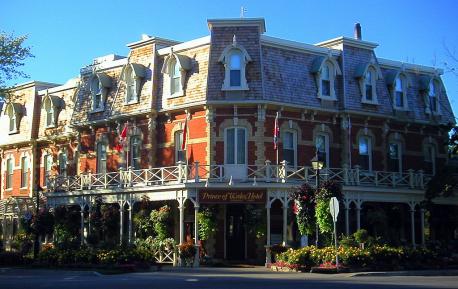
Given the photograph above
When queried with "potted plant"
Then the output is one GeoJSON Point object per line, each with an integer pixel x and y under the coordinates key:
{"type": "Point", "coordinates": [187, 253]}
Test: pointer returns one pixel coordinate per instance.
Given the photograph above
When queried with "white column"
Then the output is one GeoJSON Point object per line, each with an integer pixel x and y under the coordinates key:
{"type": "Point", "coordinates": [347, 217]}
{"type": "Point", "coordinates": [422, 216]}
{"type": "Point", "coordinates": [196, 235]}
{"type": "Point", "coordinates": [181, 208]}
{"type": "Point", "coordinates": [268, 253]}
{"type": "Point", "coordinates": [285, 223]}
{"type": "Point", "coordinates": [121, 222]}
{"type": "Point", "coordinates": [412, 224]}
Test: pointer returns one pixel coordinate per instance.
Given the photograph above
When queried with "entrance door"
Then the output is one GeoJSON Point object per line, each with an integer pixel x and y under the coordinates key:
{"type": "Point", "coordinates": [235, 232]}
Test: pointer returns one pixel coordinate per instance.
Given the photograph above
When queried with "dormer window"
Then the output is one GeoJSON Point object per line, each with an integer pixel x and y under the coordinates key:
{"type": "Point", "coordinates": [399, 90]}
{"type": "Point", "coordinates": [368, 74]}
{"type": "Point", "coordinates": [325, 69]}
{"type": "Point", "coordinates": [432, 94]}
{"type": "Point", "coordinates": [100, 83]}
{"type": "Point", "coordinates": [235, 58]}
{"type": "Point", "coordinates": [369, 86]}
{"type": "Point", "coordinates": [175, 67]}
{"type": "Point", "coordinates": [175, 78]}
{"type": "Point", "coordinates": [133, 77]}
{"type": "Point", "coordinates": [14, 113]}
{"type": "Point", "coordinates": [51, 106]}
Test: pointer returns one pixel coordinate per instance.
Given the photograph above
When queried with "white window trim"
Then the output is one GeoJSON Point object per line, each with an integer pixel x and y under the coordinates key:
{"type": "Point", "coordinates": [235, 145]}
{"type": "Point", "coordinates": [104, 82]}
{"type": "Point", "coordinates": [326, 146]}
{"type": "Point", "coordinates": [185, 64]}
{"type": "Point", "coordinates": [225, 60]}
{"type": "Point", "coordinates": [294, 132]}
{"type": "Point", "coordinates": [12, 113]}
{"type": "Point", "coordinates": [134, 74]}
{"type": "Point", "coordinates": [10, 188]}
{"type": "Point", "coordinates": [405, 85]}
{"type": "Point", "coordinates": [369, 149]}
{"type": "Point", "coordinates": [334, 70]}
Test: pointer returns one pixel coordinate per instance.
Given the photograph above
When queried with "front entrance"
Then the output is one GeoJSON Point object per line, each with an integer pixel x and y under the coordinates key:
{"type": "Point", "coordinates": [235, 232]}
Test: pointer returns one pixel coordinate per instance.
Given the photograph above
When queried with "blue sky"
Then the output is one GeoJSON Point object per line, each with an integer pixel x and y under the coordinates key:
{"type": "Point", "coordinates": [67, 35]}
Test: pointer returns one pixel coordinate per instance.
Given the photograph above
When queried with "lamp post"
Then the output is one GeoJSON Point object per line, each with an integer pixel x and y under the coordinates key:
{"type": "Point", "coordinates": [317, 166]}
{"type": "Point", "coordinates": [36, 244]}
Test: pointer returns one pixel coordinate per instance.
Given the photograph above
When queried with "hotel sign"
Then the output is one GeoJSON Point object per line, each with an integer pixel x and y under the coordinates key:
{"type": "Point", "coordinates": [232, 197]}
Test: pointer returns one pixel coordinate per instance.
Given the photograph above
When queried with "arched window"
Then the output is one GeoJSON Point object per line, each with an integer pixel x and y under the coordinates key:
{"type": "Point", "coordinates": [9, 173]}
{"type": "Point", "coordinates": [369, 85]}
{"type": "Point", "coordinates": [24, 171]}
{"type": "Point", "coordinates": [322, 148]}
{"type": "Point", "coordinates": [289, 147]}
{"type": "Point", "coordinates": [135, 156]}
{"type": "Point", "coordinates": [236, 146]}
{"type": "Point", "coordinates": [63, 164]}
{"type": "Point", "coordinates": [50, 113]}
{"type": "Point", "coordinates": [101, 157]}
{"type": "Point", "coordinates": [96, 90]}
{"type": "Point", "coordinates": [365, 153]}
{"type": "Point", "coordinates": [235, 59]}
{"type": "Point", "coordinates": [180, 152]}
{"type": "Point", "coordinates": [432, 93]}
{"type": "Point", "coordinates": [175, 78]}
{"type": "Point", "coordinates": [13, 119]}
{"type": "Point", "coordinates": [400, 88]}
{"type": "Point", "coordinates": [235, 65]}
{"type": "Point", "coordinates": [325, 80]}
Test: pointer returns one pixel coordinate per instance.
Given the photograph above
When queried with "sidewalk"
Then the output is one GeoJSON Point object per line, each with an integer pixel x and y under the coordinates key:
{"type": "Point", "coordinates": [407, 273]}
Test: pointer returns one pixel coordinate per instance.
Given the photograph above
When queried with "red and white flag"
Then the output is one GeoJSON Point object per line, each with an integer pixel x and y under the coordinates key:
{"type": "Point", "coordinates": [276, 132]}
{"type": "Point", "coordinates": [122, 137]}
{"type": "Point", "coordinates": [185, 135]}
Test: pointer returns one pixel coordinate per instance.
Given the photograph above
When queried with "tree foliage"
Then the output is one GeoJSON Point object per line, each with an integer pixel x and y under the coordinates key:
{"type": "Point", "coordinates": [13, 53]}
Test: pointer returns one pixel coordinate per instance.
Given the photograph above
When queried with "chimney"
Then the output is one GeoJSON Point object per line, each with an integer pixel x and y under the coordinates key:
{"type": "Point", "coordinates": [358, 31]}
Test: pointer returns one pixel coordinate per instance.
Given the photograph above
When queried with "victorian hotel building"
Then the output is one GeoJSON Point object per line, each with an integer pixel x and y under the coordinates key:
{"type": "Point", "coordinates": [191, 124]}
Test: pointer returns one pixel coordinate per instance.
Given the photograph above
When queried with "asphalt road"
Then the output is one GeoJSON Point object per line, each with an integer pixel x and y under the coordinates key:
{"type": "Point", "coordinates": [230, 278]}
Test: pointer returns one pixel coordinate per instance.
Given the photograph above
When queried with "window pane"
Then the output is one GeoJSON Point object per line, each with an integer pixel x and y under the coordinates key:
{"type": "Point", "coordinates": [230, 146]}
{"type": "Point", "coordinates": [364, 162]}
{"type": "Point", "coordinates": [320, 143]}
{"type": "Point", "coordinates": [368, 78]}
{"type": "Point", "coordinates": [101, 158]}
{"type": "Point", "coordinates": [368, 92]}
{"type": "Point", "coordinates": [97, 101]}
{"type": "Point", "coordinates": [175, 85]}
{"type": "Point", "coordinates": [325, 72]}
{"type": "Point", "coordinates": [325, 87]}
{"type": "Point", "coordinates": [241, 146]}
{"type": "Point", "coordinates": [399, 99]}
{"type": "Point", "coordinates": [12, 123]}
{"type": "Point", "coordinates": [235, 77]}
{"type": "Point", "coordinates": [179, 153]}
{"type": "Point", "coordinates": [24, 172]}
{"type": "Point", "coordinates": [63, 164]}
{"type": "Point", "coordinates": [363, 146]}
{"type": "Point", "coordinates": [135, 152]}
{"type": "Point", "coordinates": [236, 61]}
{"type": "Point", "coordinates": [9, 168]}
{"type": "Point", "coordinates": [49, 117]}
{"type": "Point", "coordinates": [398, 84]}
{"type": "Point", "coordinates": [47, 164]}
{"type": "Point", "coordinates": [394, 151]}
{"type": "Point", "coordinates": [432, 89]}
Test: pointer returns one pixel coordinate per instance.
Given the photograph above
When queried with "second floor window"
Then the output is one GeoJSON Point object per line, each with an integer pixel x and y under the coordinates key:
{"type": "Point", "coordinates": [430, 159]}
{"type": "Point", "coordinates": [101, 158]}
{"type": "Point", "coordinates": [394, 157]}
{"type": "Point", "coordinates": [322, 148]}
{"type": "Point", "coordinates": [289, 148]}
{"type": "Point", "coordinates": [135, 157]}
{"type": "Point", "coordinates": [235, 142]}
{"type": "Point", "coordinates": [47, 165]}
{"type": "Point", "coordinates": [180, 153]}
{"type": "Point", "coordinates": [365, 153]}
{"type": "Point", "coordinates": [63, 164]}
{"type": "Point", "coordinates": [24, 172]}
{"type": "Point", "coordinates": [9, 173]}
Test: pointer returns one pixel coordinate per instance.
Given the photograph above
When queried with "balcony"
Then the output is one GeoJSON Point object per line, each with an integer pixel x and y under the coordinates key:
{"type": "Point", "coordinates": [183, 174]}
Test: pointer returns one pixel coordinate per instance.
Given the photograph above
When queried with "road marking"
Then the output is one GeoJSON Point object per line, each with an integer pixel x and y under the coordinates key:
{"type": "Point", "coordinates": [191, 280]}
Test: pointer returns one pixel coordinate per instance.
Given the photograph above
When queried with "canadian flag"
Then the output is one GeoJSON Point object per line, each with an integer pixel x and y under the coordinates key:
{"type": "Point", "coordinates": [276, 132]}
{"type": "Point", "coordinates": [122, 137]}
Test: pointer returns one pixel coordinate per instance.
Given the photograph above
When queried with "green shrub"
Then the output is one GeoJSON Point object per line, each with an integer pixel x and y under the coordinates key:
{"type": "Point", "coordinates": [361, 236]}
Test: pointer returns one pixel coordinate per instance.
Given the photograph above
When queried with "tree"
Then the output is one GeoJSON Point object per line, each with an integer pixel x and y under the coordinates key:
{"type": "Point", "coordinates": [13, 53]}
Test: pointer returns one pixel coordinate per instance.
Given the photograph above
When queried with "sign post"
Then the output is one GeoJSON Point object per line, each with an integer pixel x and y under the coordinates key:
{"type": "Point", "coordinates": [334, 210]}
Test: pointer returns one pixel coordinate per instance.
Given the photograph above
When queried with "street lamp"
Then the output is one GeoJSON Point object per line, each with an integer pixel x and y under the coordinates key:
{"type": "Point", "coordinates": [317, 165]}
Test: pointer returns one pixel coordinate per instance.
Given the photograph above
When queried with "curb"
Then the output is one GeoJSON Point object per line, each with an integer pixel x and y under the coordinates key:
{"type": "Point", "coordinates": [407, 273]}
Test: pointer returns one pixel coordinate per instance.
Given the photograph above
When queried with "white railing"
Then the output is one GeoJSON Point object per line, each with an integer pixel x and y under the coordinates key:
{"type": "Point", "coordinates": [165, 256]}
{"type": "Point", "coordinates": [197, 173]}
